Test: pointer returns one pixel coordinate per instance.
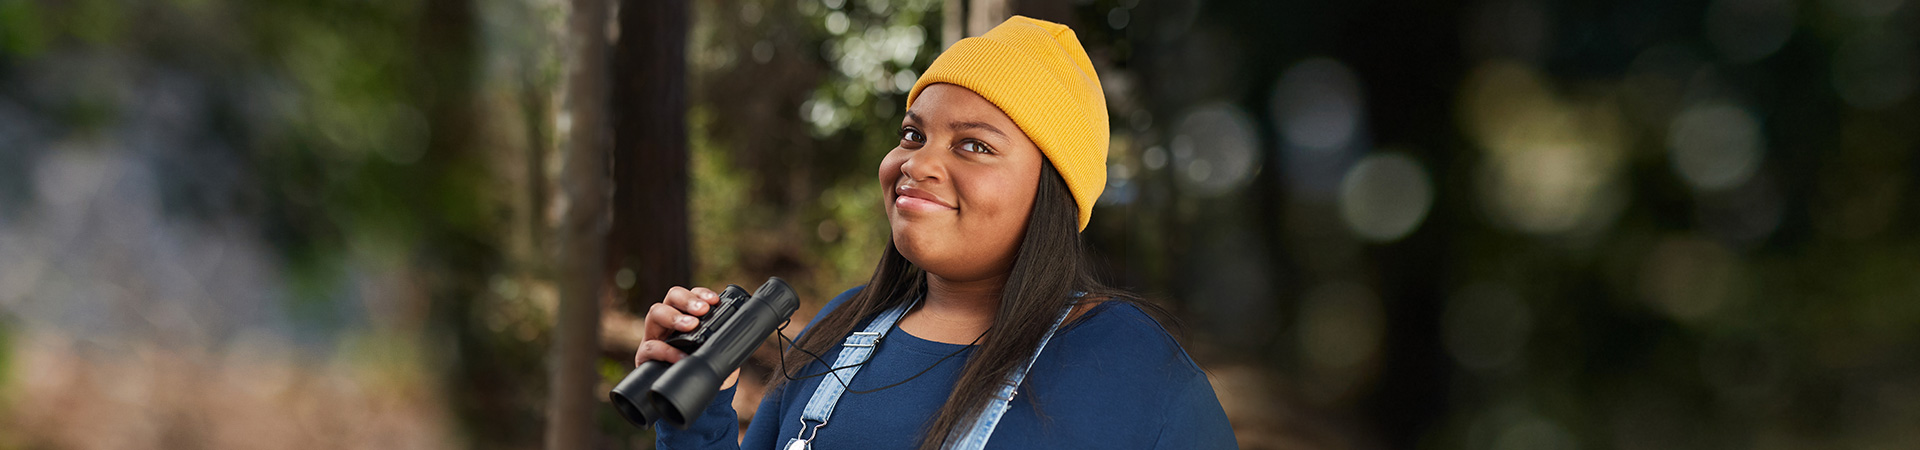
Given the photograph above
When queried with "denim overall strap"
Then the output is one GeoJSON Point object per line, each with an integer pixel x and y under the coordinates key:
{"type": "Point", "coordinates": [855, 350]}
{"type": "Point", "coordinates": [976, 437]}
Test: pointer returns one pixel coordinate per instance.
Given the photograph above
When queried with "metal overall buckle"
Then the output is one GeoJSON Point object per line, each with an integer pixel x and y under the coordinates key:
{"type": "Point", "coordinates": [797, 443]}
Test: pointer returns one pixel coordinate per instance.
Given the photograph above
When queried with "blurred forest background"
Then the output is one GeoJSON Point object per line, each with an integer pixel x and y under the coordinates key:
{"type": "Point", "coordinates": [1484, 224]}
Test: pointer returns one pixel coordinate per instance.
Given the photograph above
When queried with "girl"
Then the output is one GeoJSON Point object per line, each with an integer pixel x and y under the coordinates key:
{"type": "Point", "coordinates": [981, 324]}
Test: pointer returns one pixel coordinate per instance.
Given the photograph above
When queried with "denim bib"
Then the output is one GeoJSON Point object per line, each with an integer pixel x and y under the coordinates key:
{"type": "Point", "coordinates": [859, 346]}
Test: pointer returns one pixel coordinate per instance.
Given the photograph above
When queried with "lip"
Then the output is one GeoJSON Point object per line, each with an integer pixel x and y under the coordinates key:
{"type": "Point", "coordinates": [912, 198]}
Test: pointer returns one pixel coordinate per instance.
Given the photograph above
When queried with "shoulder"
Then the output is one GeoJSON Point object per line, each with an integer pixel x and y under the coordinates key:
{"type": "Point", "coordinates": [1121, 364]}
{"type": "Point", "coordinates": [840, 299]}
{"type": "Point", "coordinates": [1119, 335]}
{"type": "Point", "coordinates": [832, 305]}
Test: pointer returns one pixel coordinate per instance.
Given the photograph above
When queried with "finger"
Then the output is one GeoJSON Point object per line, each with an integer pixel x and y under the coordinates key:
{"type": "Point", "coordinates": [663, 320]}
{"type": "Point", "coordinates": [657, 351]}
{"type": "Point", "coordinates": [687, 301]}
{"type": "Point", "coordinates": [707, 295]}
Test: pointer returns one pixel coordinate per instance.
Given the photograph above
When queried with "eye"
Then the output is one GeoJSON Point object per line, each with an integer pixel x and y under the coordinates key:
{"type": "Point", "coordinates": [911, 134]}
{"type": "Point", "coordinates": [975, 147]}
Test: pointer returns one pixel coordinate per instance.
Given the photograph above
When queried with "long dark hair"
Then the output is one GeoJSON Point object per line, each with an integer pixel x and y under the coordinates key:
{"type": "Point", "coordinates": [1050, 266]}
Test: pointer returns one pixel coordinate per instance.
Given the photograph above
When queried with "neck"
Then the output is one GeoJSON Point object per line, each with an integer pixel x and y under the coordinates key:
{"type": "Point", "coordinates": [955, 311]}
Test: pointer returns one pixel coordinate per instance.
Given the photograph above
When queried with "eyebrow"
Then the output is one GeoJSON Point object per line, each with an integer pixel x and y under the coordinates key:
{"type": "Point", "coordinates": [962, 126]}
{"type": "Point", "coordinates": [959, 126]}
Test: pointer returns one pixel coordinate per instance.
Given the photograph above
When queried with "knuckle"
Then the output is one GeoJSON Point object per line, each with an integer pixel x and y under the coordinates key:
{"type": "Point", "coordinates": [663, 315]}
{"type": "Point", "coordinates": [657, 351]}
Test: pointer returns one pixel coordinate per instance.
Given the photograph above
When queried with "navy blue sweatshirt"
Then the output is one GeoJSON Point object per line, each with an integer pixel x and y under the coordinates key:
{"type": "Point", "coordinates": [1112, 379]}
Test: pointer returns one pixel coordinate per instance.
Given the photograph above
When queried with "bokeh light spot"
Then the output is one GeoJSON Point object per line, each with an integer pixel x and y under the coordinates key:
{"type": "Point", "coordinates": [1215, 149]}
{"type": "Point", "coordinates": [837, 22]}
{"type": "Point", "coordinates": [1318, 104]}
{"type": "Point", "coordinates": [763, 52]}
{"type": "Point", "coordinates": [1517, 29]}
{"type": "Point", "coordinates": [624, 278]}
{"type": "Point", "coordinates": [1319, 113]}
{"type": "Point", "coordinates": [1689, 279]}
{"type": "Point", "coordinates": [1746, 214]}
{"type": "Point", "coordinates": [1385, 196]}
{"type": "Point", "coordinates": [1876, 69]}
{"type": "Point", "coordinates": [1486, 326]}
{"type": "Point", "coordinates": [1715, 146]}
{"type": "Point", "coordinates": [1551, 164]}
{"type": "Point", "coordinates": [1341, 326]}
{"type": "Point", "coordinates": [1748, 30]}
{"type": "Point", "coordinates": [1154, 158]}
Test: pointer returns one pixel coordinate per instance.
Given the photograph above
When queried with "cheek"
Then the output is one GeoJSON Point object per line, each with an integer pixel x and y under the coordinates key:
{"type": "Point", "coordinates": [1003, 203]}
{"type": "Point", "coordinates": [889, 173]}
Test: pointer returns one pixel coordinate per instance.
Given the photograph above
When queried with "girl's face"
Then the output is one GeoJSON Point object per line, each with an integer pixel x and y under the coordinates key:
{"type": "Point", "coordinates": [960, 186]}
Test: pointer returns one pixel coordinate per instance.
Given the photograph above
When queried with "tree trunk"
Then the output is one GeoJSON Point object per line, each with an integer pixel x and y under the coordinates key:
{"type": "Point", "coordinates": [650, 234]}
{"type": "Point", "coordinates": [967, 18]}
{"type": "Point", "coordinates": [982, 15]}
{"type": "Point", "coordinates": [953, 22]}
{"type": "Point", "coordinates": [580, 263]}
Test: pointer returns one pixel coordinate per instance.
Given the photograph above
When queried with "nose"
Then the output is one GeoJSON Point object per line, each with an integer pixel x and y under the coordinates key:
{"type": "Point", "coordinates": [924, 165]}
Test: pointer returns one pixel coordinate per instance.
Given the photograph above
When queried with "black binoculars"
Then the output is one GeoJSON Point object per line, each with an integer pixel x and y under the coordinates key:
{"type": "Point", "coordinates": [679, 392]}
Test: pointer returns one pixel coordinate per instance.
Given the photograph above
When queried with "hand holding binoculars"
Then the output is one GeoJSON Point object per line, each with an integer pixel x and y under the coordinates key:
{"type": "Point", "coordinates": [680, 391]}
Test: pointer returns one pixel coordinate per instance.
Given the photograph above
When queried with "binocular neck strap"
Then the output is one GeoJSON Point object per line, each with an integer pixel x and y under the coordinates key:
{"type": "Point", "coordinates": [853, 352]}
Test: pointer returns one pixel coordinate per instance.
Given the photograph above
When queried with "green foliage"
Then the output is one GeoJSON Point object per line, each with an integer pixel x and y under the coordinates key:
{"type": "Point", "coordinates": [21, 32]}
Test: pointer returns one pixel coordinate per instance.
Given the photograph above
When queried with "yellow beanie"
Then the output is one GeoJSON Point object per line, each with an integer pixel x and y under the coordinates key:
{"type": "Point", "coordinates": [1036, 72]}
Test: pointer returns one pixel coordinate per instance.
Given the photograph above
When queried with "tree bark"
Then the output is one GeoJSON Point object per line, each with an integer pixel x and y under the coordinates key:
{"type": "Point", "coordinates": [982, 15]}
{"type": "Point", "coordinates": [650, 219]}
{"type": "Point", "coordinates": [580, 263]}
{"type": "Point", "coordinates": [953, 22]}
{"type": "Point", "coordinates": [968, 18]}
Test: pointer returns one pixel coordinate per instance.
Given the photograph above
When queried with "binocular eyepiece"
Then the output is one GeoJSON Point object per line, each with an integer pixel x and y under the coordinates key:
{"type": "Point", "coordinates": [728, 333]}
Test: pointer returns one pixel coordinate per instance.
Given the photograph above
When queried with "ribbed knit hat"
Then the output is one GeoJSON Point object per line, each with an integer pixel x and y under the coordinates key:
{"type": "Point", "coordinates": [1038, 74]}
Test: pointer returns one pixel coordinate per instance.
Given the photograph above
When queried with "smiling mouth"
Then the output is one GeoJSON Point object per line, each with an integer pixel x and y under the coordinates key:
{"type": "Point", "coordinates": [912, 199]}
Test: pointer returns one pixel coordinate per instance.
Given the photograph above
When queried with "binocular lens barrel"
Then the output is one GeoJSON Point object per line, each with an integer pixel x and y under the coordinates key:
{"type": "Point", "coordinates": [679, 392]}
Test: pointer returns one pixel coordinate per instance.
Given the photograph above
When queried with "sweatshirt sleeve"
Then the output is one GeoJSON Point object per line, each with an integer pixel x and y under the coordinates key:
{"type": "Point", "coordinates": [764, 432]}
{"type": "Point", "coordinates": [1195, 419]}
{"type": "Point", "coordinates": [717, 427]}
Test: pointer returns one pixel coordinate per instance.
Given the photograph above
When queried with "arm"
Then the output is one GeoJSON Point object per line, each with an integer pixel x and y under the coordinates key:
{"type": "Point", "coordinates": [1194, 419]}
{"type": "Point", "coordinates": [764, 432]}
{"type": "Point", "coordinates": [717, 427]}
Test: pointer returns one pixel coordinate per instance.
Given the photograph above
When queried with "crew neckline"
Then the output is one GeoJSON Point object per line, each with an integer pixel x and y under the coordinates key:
{"type": "Point", "coordinates": [922, 345]}
{"type": "Point", "coordinates": [915, 343]}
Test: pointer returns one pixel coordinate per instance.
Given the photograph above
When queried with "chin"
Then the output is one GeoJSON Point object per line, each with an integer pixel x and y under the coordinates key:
{"type": "Point", "coordinates": [912, 246]}
{"type": "Point", "coordinates": [929, 253]}
{"type": "Point", "coordinates": [949, 262]}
